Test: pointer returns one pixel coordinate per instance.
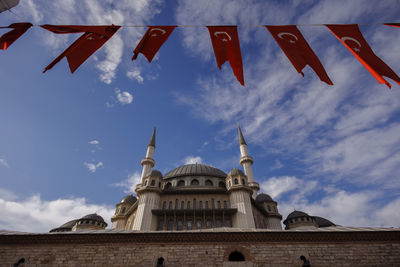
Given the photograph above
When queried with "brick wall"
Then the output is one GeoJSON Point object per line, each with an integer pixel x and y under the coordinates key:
{"type": "Point", "coordinates": [178, 250]}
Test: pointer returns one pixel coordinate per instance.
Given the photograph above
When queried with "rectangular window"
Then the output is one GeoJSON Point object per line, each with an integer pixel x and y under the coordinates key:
{"type": "Point", "coordinates": [198, 224]}
{"type": "Point", "coordinates": [194, 203]}
{"type": "Point", "coordinates": [160, 225]}
{"type": "Point", "coordinates": [212, 203]}
{"type": "Point", "coordinates": [183, 205]}
{"type": "Point", "coordinates": [228, 223]}
{"type": "Point", "coordinates": [176, 204]}
{"type": "Point", "coordinates": [206, 204]}
{"type": "Point", "coordinates": [200, 204]}
{"type": "Point", "coordinates": [170, 205]}
{"type": "Point", "coordinates": [219, 204]}
{"type": "Point", "coordinates": [170, 225]}
{"type": "Point", "coordinates": [189, 225]}
{"type": "Point", "coordinates": [188, 205]}
{"type": "Point", "coordinates": [225, 204]}
{"type": "Point", "coordinates": [179, 225]}
{"type": "Point", "coordinates": [164, 205]}
{"type": "Point", "coordinates": [208, 224]}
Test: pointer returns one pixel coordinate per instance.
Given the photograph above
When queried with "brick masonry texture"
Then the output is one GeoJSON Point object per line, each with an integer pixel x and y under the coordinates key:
{"type": "Point", "coordinates": [143, 249]}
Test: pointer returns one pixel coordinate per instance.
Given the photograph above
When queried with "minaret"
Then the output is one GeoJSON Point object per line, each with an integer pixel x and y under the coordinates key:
{"type": "Point", "coordinates": [148, 161]}
{"type": "Point", "coordinates": [148, 191]}
{"type": "Point", "coordinates": [246, 161]}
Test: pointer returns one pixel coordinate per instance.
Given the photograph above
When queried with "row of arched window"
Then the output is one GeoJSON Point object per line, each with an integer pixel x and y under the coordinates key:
{"type": "Point", "coordinates": [194, 182]}
{"type": "Point", "coordinates": [195, 204]}
{"type": "Point", "coordinates": [191, 225]}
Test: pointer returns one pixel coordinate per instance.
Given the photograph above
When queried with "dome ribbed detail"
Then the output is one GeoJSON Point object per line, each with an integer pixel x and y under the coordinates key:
{"type": "Point", "coordinates": [235, 172]}
{"type": "Point", "coordinates": [195, 170]}
{"type": "Point", "coordinates": [263, 198]}
{"type": "Point", "coordinates": [129, 199]}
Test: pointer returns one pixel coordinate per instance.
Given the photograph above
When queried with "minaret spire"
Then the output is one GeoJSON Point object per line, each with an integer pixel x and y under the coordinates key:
{"type": "Point", "coordinates": [246, 161]}
{"type": "Point", "coordinates": [148, 162]}
{"type": "Point", "coordinates": [241, 138]}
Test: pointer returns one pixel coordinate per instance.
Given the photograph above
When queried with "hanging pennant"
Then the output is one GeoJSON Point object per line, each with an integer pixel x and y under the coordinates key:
{"type": "Point", "coordinates": [296, 48]}
{"type": "Point", "coordinates": [351, 37]}
{"type": "Point", "coordinates": [393, 24]}
{"type": "Point", "coordinates": [93, 38]}
{"type": "Point", "coordinates": [10, 37]}
{"type": "Point", "coordinates": [225, 42]}
{"type": "Point", "coordinates": [152, 41]}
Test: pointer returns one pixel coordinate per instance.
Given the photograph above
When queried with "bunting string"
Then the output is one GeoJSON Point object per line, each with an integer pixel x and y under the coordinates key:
{"type": "Point", "coordinates": [225, 43]}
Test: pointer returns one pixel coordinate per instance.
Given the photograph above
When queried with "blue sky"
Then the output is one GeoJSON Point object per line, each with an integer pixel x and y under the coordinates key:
{"type": "Point", "coordinates": [71, 145]}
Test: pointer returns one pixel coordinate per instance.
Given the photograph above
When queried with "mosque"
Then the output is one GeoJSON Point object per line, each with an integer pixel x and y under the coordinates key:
{"type": "Point", "coordinates": [197, 196]}
{"type": "Point", "coordinates": [198, 215]}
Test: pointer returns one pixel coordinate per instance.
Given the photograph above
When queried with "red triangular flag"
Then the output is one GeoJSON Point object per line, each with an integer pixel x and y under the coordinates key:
{"type": "Point", "coordinates": [152, 40]}
{"type": "Point", "coordinates": [225, 42]}
{"type": "Point", "coordinates": [393, 24]}
{"type": "Point", "coordinates": [93, 38]}
{"type": "Point", "coordinates": [10, 37]}
{"type": "Point", "coordinates": [296, 48]}
{"type": "Point", "coordinates": [352, 38]}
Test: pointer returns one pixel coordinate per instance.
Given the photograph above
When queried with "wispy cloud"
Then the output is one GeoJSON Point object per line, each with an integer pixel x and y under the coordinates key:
{"type": "Point", "coordinates": [94, 142]}
{"type": "Point", "coordinates": [123, 97]}
{"type": "Point", "coordinates": [192, 160]}
{"type": "Point", "coordinates": [92, 167]}
{"type": "Point", "coordinates": [128, 185]}
{"type": "Point", "coordinates": [3, 162]}
{"type": "Point", "coordinates": [135, 74]}
{"type": "Point", "coordinates": [34, 214]}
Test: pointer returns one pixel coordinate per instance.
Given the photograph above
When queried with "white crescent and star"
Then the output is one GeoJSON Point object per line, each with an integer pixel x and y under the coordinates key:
{"type": "Point", "coordinates": [282, 34]}
{"type": "Point", "coordinates": [223, 34]}
{"type": "Point", "coordinates": [157, 32]}
{"type": "Point", "coordinates": [346, 38]}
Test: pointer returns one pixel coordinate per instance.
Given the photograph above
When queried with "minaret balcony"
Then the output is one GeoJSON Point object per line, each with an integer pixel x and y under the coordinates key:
{"type": "Point", "coordinates": [245, 159]}
{"type": "Point", "coordinates": [148, 161]}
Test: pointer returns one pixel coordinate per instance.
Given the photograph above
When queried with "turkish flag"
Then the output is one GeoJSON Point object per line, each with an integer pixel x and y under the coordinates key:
{"type": "Point", "coordinates": [296, 48]}
{"type": "Point", "coordinates": [352, 38]}
{"type": "Point", "coordinates": [10, 37]}
{"type": "Point", "coordinates": [93, 38]}
{"type": "Point", "coordinates": [393, 24]}
{"type": "Point", "coordinates": [152, 41]}
{"type": "Point", "coordinates": [225, 42]}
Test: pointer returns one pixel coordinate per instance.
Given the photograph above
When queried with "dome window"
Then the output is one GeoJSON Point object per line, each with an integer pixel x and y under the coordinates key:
{"type": "Point", "coordinates": [168, 185]}
{"type": "Point", "coordinates": [123, 209]}
{"type": "Point", "coordinates": [243, 182]}
{"type": "Point", "coordinates": [236, 181]}
{"type": "Point", "coordinates": [153, 183]}
{"type": "Point", "coordinates": [194, 182]}
{"type": "Point", "coordinates": [221, 184]}
{"type": "Point", "coordinates": [181, 183]}
{"type": "Point", "coordinates": [209, 183]}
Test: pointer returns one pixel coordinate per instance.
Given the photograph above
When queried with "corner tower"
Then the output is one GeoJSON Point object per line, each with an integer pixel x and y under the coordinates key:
{"type": "Point", "coordinates": [246, 161]}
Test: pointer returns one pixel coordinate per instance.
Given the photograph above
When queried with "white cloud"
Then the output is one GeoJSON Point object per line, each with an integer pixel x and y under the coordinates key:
{"type": "Point", "coordinates": [135, 74]}
{"type": "Point", "coordinates": [276, 186]}
{"type": "Point", "coordinates": [36, 215]}
{"type": "Point", "coordinates": [4, 162]}
{"type": "Point", "coordinates": [90, 12]}
{"type": "Point", "coordinates": [278, 165]}
{"type": "Point", "coordinates": [123, 97]}
{"type": "Point", "coordinates": [94, 142]}
{"type": "Point", "coordinates": [128, 185]}
{"type": "Point", "coordinates": [93, 166]}
{"type": "Point", "coordinates": [192, 160]}
{"type": "Point", "coordinates": [7, 195]}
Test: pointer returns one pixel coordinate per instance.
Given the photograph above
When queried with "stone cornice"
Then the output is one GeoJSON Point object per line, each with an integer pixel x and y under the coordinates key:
{"type": "Point", "coordinates": [202, 237]}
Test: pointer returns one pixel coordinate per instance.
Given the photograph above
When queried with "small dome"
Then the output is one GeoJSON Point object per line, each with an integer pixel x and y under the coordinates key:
{"type": "Point", "coordinates": [235, 172]}
{"type": "Point", "coordinates": [66, 227]}
{"type": "Point", "coordinates": [296, 214]}
{"type": "Point", "coordinates": [155, 173]}
{"type": "Point", "coordinates": [93, 217]}
{"type": "Point", "coordinates": [129, 199]}
{"type": "Point", "coordinates": [322, 222]}
{"type": "Point", "coordinates": [263, 198]}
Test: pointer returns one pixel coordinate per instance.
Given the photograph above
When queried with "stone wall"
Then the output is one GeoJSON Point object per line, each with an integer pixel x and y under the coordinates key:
{"type": "Point", "coordinates": [202, 249]}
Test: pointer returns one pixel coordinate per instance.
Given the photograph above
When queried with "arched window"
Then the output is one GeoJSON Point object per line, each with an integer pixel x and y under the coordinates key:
{"type": "Point", "coordinates": [236, 256]}
{"type": "Point", "coordinates": [225, 204]}
{"type": "Point", "coordinates": [209, 183]}
{"type": "Point", "coordinates": [198, 224]}
{"type": "Point", "coordinates": [212, 203]}
{"type": "Point", "coordinates": [170, 205]}
{"type": "Point", "coordinates": [218, 204]}
{"type": "Point", "coordinates": [194, 182]}
{"type": "Point", "coordinates": [188, 204]}
{"type": "Point", "coordinates": [159, 184]}
{"type": "Point", "coordinates": [123, 209]}
{"type": "Point", "coordinates": [200, 204]}
{"type": "Point", "coordinates": [269, 208]}
{"type": "Point", "coordinates": [167, 185]}
{"type": "Point", "coordinates": [145, 182]}
{"type": "Point", "coordinates": [218, 223]}
{"type": "Point", "coordinates": [182, 205]}
{"type": "Point", "coordinates": [189, 225]}
{"type": "Point", "coordinates": [243, 182]}
{"type": "Point", "coordinates": [153, 183]}
{"type": "Point", "coordinates": [160, 225]}
{"type": "Point", "coordinates": [170, 225]}
{"type": "Point", "coordinates": [228, 223]}
{"type": "Point", "coordinates": [179, 225]}
{"type": "Point", "coordinates": [164, 205]}
{"type": "Point", "coordinates": [236, 181]}
{"type": "Point", "coordinates": [176, 204]}
{"type": "Point", "coordinates": [206, 204]}
{"type": "Point", "coordinates": [194, 203]}
{"type": "Point", "coordinates": [221, 184]}
{"type": "Point", "coordinates": [208, 224]}
{"type": "Point", "coordinates": [181, 183]}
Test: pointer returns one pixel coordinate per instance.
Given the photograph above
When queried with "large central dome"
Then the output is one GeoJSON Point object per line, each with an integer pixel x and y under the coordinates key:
{"type": "Point", "coordinates": [195, 170]}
